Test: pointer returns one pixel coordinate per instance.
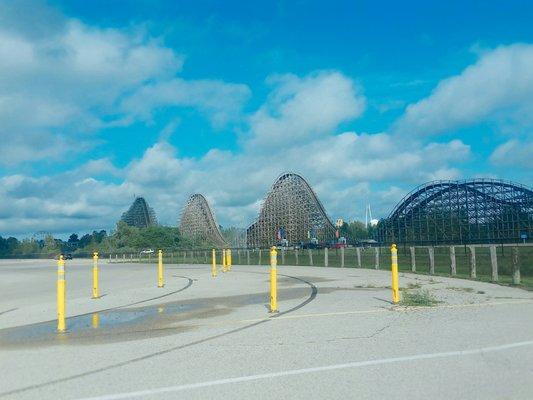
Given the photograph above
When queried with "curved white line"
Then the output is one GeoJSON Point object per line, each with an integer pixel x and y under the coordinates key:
{"type": "Point", "coordinates": [356, 364]}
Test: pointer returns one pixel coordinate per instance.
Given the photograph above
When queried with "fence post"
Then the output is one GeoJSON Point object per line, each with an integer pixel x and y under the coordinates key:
{"type": "Point", "coordinates": [247, 257]}
{"type": "Point", "coordinates": [326, 257]}
{"type": "Point", "coordinates": [413, 258]}
{"type": "Point", "coordinates": [494, 263]}
{"type": "Point", "coordinates": [394, 273]}
{"type": "Point", "coordinates": [516, 267]}
{"type": "Point", "coordinates": [342, 257]}
{"type": "Point", "coordinates": [453, 265]}
{"type": "Point", "coordinates": [282, 256]}
{"type": "Point", "coordinates": [296, 255]}
{"type": "Point", "coordinates": [431, 253]}
{"type": "Point", "coordinates": [239, 255]}
{"type": "Point", "coordinates": [310, 257]}
{"type": "Point", "coordinates": [259, 257]}
{"type": "Point", "coordinates": [473, 273]}
{"type": "Point", "coordinates": [358, 252]}
{"type": "Point", "coordinates": [376, 254]}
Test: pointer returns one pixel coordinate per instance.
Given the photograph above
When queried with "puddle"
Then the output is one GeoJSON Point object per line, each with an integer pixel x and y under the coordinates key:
{"type": "Point", "coordinates": [123, 324]}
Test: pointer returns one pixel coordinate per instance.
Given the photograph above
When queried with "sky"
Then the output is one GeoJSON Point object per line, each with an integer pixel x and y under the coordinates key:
{"type": "Point", "coordinates": [101, 101]}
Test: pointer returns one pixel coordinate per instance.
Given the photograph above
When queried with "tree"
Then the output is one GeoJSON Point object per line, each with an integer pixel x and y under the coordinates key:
{"type": "Point", "coordinates": [73, 238]}
{"type": "Point", "coordinates": [50, 245]}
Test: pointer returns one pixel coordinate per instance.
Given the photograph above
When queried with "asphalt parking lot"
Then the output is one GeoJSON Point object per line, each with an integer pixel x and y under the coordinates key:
{"type": "Point", "coordinates": [336, 336]}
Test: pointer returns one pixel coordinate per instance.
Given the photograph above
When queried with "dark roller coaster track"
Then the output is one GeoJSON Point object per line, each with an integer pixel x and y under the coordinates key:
{"type": "Point", "coordinates": [473, 211]}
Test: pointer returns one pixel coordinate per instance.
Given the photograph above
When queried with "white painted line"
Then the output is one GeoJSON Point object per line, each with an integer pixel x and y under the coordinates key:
{"type": "Point", "coordinates": [357, 364]}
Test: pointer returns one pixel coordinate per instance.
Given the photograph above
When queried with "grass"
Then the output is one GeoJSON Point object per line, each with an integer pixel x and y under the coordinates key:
{"type": "Point", "coordinates": [419, 298]}
{"type": "Point", "coordinates": [412, 286]}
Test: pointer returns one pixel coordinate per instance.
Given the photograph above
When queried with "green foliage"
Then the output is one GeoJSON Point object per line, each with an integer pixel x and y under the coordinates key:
{"type": "Point", "coordinates": [28, 246]}
{"type": "Point", "coordinates": [50, 245]}
{"type": "Point", "coordinates": [129, 238]}
{"type": "Point", "coordinates": [354, 231]}
{"type": "Point", "coordinates": [419, 298]}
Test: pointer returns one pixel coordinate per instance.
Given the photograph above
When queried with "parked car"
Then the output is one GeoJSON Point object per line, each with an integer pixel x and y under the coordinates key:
{"type": "Point", "coordinates": [65, 256]}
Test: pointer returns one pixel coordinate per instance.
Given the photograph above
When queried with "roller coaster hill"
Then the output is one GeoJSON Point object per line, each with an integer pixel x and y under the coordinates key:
{"type": "Point", "coordinates": [461, 212]}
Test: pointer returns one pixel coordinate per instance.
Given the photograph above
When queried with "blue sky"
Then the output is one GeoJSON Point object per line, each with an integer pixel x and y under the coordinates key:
{"type": "Point", "coordinates": [103, 100]}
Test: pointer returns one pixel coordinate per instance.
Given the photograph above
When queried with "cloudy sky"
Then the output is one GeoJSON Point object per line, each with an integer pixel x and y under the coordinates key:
{"type": "Point", "coordinates": [104, 100]}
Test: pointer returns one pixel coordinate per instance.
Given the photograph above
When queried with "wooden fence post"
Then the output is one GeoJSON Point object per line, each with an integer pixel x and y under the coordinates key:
{"type": "Point", "coordinates": [494, 263]}
{"type": "Point", "coordinates": [453, 265]}
{"type": "Point", "coordinates": [413, 258]}
{"type": "Point", "coordinates": [358, 253]}
{"type": "Point", "coordinates": [376, 256]}
{"type": "Point", "coordinates": [310, 257]}
{"type": "Point", "coordinates": [431, 253]}
{"type": "Point", "coordinates": [342, 257]}
{"type": "Point", "coordinates": [516, 267]}
{"type": "Point", "coordinates": [473, 273]}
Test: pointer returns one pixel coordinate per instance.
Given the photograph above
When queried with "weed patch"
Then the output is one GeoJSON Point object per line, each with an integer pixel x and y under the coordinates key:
{"type": "Point", "coordinates": [420, 298]}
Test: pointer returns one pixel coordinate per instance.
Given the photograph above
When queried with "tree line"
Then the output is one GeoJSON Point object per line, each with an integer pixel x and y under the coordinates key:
{"type": "Point", "coordinates": [129, 239]}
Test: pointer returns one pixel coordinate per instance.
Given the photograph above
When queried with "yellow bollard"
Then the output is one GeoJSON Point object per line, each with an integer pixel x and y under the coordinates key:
{"type": "Point", "coordinates": [61, 294]}
{"type": "Point", "coordinates": [95, 321]}
{"type": "Point", "coordinates": [214, 263]}
{"type": "Point", "coordinates": [229, 260]}
{"type": "Point", "coordinates": [273, 280]}
{"type": "Point", "coordinates": [394, 267]}
{"type": "Point", "coordinates": [160, 280]}
{"type": "Point", "coordinates": [224, 265]}
{"type": "Point", "coordinates": [96, 293]}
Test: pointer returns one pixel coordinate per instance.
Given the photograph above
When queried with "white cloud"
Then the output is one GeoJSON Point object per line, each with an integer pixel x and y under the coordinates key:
{"type": "Point", "coordinates": [514, 153]}
{"type": "Point", "coordinates": [86, 78]}
{"type": "Point", "coordinates": [300, 109]}
{"type": "Point", "coordinates": [221, 101]}
{"type": "Point", "coordinates": [73, 79]}
{"type": "Point", "coordinates": [498, 87]}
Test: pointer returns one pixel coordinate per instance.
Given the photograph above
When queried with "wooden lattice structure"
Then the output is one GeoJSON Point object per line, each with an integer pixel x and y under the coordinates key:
{"type": "Point", "coordinates": [474, 211]}
{"type": "Point", "coordinates": [198, 222]}
{"type": "Point", "coordinates": [140, 214]}
{"type": "Point", "coordinates": [291, 212]}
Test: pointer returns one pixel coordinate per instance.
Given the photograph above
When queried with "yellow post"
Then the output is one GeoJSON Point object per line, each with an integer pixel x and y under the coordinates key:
{"type": "Point", "coordinates": [229, 260]}
{"type": "Point", "coordinates": [96, 293]}
{"type": "Point", "coordinates": [160, 280]}
{"type": "Point", "coordinates": [61, 292]}
{"type": "Point", "coordinates": [224, 265]}
{"type": "Point", "coordinates": [214, 263]}
{"type": "Point", "coordinates": [95, 320]}
{"type": "Point", "coordinates": [394, 267]}
{"type": "Point", "coordinates": [273, 280]}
